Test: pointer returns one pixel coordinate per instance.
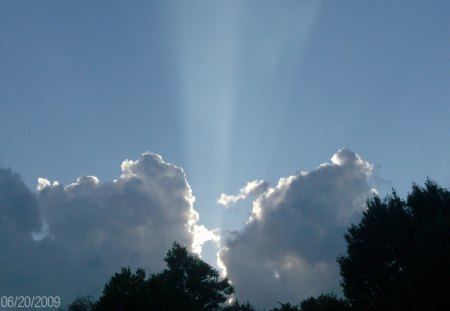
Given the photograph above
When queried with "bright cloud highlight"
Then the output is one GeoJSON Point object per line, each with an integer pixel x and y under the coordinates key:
{"type": "Point", "coordinates": [288, 247]}
{"type": "Point", "coordinates": [254, 187]}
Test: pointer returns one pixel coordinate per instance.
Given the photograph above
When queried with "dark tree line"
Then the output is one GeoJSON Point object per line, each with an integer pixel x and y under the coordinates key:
{"type": "Point", "coordinates": [398, 258]}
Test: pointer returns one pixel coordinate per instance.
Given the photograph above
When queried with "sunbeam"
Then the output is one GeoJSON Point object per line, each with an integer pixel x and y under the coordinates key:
{"type": "Point", "coordinates": [207, 37]}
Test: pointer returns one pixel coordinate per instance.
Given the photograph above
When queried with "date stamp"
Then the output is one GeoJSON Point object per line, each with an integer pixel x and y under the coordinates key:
{"type": "Point", "coordinates": [22, 302]}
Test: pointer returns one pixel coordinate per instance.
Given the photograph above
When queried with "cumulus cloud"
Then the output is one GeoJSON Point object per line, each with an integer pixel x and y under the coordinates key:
{"type": "Point", "coordinates": [67, 240]}
{"type": "Point", "coordinates": [254, 187]}
{"type": "Point", "coordinates": [20, 216]}
{"type": "Point", "coordinates": [288, 247]}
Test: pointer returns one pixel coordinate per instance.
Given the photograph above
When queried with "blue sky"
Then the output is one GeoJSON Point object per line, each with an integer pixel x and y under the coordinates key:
{"type": "Point", "coordinates": [231, 91]}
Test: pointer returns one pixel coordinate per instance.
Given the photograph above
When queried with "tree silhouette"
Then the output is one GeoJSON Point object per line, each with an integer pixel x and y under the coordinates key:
{"type": "Point", "coordinates": [84, 303]}
{"type": "Point", "coordinates": [236, 306]}
{"type": "Point", "coordinates": [188, 283]}
{"type": "Point", "coordinates": [125, 291]}
{"type": "Point", "coordinates": [286, 307]}
{"type": "Point", "coordinates": [398, 256]}
{"type": "Point", "coordinates": [325, 302]}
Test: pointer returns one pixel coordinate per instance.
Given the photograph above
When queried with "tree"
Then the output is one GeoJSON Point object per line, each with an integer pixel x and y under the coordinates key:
{"type": "Point", "coordinates": [188, 283]}
{"type": "Point", "coordinates": [398, 256]}
{"type": "Point", "coordinates": [236, 306]}
{"type": "Point", "coordinates": [285, 307]}
{"type": "Point", "coordinates": [429, 269]}
{"type": "Point", "coordinates": [84, 303]}
{"type": "Point", "coordinates": [325, 302]}
{"type": "Point", "coordinates": [125, 291]}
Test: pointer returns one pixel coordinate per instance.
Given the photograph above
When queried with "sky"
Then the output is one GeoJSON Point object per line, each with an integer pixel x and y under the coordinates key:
{"type": "Point", "coordinates": [252, 132]}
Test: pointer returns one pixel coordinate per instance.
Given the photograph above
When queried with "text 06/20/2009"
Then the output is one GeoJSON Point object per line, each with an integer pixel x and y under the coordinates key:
{"type": "Point", "coordinates": [8, 302]}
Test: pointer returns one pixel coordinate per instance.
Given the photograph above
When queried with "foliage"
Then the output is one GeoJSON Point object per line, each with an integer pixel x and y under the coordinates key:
{"type": "Point", "coordinates": [398, 256]}
{"type": "Point", "coordinates": [236, 306]}
{"type": "Point", "coordinates": [325, 302]}
{"type": "Point", "coordinates": [188, 283]}
{"type": "Point", "coordinates": [125, 291]}
{"type": "Point", "coordinates": [84, 303]}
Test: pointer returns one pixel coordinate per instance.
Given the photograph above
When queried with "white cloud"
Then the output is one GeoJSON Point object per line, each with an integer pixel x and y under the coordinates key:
{"type": "Point", "coordinates": [288, 247]}
{"type": "Point", "coordinates": [69, 240]}
{"type": "Point", "coordinates": [202, 235]}
{"type": "Point", "coordinates": [254, 187]}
